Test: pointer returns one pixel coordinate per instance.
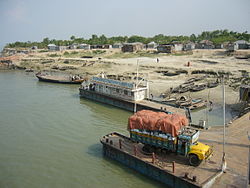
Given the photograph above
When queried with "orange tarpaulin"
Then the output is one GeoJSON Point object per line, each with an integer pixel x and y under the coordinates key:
{"type": "Point", "coordinates": [157, 121]}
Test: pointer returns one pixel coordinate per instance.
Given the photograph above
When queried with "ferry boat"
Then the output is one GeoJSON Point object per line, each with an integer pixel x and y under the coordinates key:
{"type": "Point", "coordinates": [131, 96]}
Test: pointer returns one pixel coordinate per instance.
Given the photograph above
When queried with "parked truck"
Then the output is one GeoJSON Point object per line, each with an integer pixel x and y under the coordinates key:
{"type": "Point", "coordinates": [168, 132]}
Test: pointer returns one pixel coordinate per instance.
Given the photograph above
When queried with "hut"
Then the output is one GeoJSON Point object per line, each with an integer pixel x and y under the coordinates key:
{"type": "Point", "coordinates": [218, 46]}
{"type": "Point", "coordinates": [204, 44]}
{"type": "Point", "coordinates": [61, 48]}
{"type": "Point", "coordinates": [165, 48]}
{"type": "Point", "coordinates": [242, 44]}
{"type": "Point", "coordinates": [151, 45]}
{"type": "Point", "coordinates": [52, 47]}
{"type": "Point", "coordinates": [189, 46]}
{"type": "Point", "coordinates": [230, 47]}
{"type": "Point", "coordinates": [117, 45]}
{"type": "Point", "coordinates": [73, 46]}
{"type": "Point", "coordinates": [84, 46]}
{"type": "Point", "coordinates": [177, 46]}
{"type": "Point", "coordinates": [132, 47]}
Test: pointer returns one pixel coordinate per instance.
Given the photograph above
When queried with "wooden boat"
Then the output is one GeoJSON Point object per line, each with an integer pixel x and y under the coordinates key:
{"type": "Point", "coordinates": [60, 79]}
{"type": "Point", "coordinates": [171, 73]}
{"type": "Point", "coordinates": [198, 87]}
{"type": "Point", "coordinates": [212, 84]}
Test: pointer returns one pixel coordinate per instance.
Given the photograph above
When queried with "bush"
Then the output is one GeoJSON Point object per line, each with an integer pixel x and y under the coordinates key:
{"type": "Point", "coordinates": [53, 55]}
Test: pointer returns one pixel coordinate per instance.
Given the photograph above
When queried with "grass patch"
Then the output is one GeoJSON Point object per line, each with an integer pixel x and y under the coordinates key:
{"type": "Point", "coordinates": [54, 55]}
{"type": "Point", "coordinates": [76, 54]}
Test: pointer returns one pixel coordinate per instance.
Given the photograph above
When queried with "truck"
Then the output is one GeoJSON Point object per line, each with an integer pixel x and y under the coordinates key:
{"type": "Point", "coordinates": [169, 133]}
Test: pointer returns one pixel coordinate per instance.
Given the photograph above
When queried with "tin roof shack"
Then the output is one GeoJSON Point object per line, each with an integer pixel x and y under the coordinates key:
{"type": "Point", "coordinates": [101, 46]}
{"type": "Point", "coordinates": [177, 46]}
{"type": "Point", "coordinates": [204, 44]}
{"type": "Point", "coordinates": [189, 46]}
{"type": "Point", "coordinates": [218, 46]}
{"type": "Point", "coordinates": [61, 48]}
{"type": "Point", "coordinates": [117, 45]}
{"type": "Point", "coordinates": [52, 47]}
{"type": "Point", "coordinates": [84, 46]}
{"type": "Point", "coordinates": [151, 45]}
{"type": "Point", "coordinates": [118, 89]}
{"type": "Point", "coordinates": [165, 48]}
{"type": "Point", "coordinates": [245, 93]}
{"type": "Point", "coordinates": [230, 47]}
{"type": "Point", "coordinates": [169, 48]}
{"type": "Point", "coordinates": [132, 47]}
{"type": "Point", "coordinates": [73, 46]}
{"type": "Point", "coordinates": [242, 44]}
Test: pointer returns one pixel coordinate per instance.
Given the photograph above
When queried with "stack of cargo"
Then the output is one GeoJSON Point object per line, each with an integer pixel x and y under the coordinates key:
{"type": "Point", "coordinates": [157, 121]}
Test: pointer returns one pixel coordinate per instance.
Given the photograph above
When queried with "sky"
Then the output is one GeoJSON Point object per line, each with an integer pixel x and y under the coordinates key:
{"type": "Point", "coordinates": [34, 20]}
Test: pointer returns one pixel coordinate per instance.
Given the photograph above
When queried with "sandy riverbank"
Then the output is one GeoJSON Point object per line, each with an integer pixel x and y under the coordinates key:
{"type": "Point", "coordinates": [113, 62]}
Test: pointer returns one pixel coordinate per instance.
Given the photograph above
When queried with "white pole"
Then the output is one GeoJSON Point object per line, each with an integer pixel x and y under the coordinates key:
{"type": "Point", "coordinates": [224, 164]}
{"type": "Point", "coordinates": [136, 84]}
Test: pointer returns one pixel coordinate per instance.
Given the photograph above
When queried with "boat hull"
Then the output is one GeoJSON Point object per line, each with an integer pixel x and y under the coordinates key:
{"type": "Point", "coordinates": [44, 79]}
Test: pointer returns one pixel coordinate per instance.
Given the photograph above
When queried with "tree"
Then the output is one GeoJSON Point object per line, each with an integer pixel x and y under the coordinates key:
{"type": "Point", "coordinates": [46, 41]}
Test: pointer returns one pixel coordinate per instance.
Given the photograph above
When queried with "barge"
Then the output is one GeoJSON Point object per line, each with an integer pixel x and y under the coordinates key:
{"type": "Point", "coordinates": [169, 169]}
{"type": "Point", "coordinates": [125, 95]}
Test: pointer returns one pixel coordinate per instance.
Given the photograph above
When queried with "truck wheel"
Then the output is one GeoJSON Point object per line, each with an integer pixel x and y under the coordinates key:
{"type": "Point", "coordinates": [194, 160]}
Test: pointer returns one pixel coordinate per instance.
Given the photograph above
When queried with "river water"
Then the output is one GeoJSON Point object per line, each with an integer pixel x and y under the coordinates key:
{"type": "Point", "coordinates": [49, 137]}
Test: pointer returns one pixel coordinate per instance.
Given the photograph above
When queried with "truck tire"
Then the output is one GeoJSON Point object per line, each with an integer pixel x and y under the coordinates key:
{"type": "Point", "coordinates": [194, 160]}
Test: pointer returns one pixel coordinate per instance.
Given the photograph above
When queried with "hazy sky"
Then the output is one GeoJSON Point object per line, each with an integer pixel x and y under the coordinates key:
{"type": "Point", "coordinates": [33, 20]}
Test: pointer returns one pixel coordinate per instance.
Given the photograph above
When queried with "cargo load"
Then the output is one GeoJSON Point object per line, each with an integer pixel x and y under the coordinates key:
{"type": "Point", "coordinates": [157, 121]}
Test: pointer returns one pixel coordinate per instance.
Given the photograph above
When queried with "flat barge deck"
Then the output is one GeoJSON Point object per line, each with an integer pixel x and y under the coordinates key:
{"type": "Point", "coordinates": [169, 169]}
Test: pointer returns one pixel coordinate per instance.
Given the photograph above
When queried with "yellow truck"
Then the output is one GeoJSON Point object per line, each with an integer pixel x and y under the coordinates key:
{"type": "Point", "coordinates": [184, 144]}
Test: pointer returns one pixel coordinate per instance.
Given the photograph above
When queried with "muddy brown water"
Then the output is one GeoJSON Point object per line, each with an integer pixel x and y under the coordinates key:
{"type": "Point", "coordinates": [49, 137]}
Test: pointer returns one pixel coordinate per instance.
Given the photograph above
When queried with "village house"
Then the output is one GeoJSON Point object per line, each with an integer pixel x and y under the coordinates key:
{"type": "Point", "coordinates": [84, 46]}
{"type": "Point", "coordinates": [73, 46]}
{"type": "Point", "coordinates": [132, 47]}
{"type": "Point", "coordinates": [218, 46]}
{"type": "Point", "coordinates": [101, 46]}
{"type": "Point", "coordinates": [151, 45]}
{"type": "Point", "coordinates": [52, 47]}
{"type": "Point", "coordinates": [117, 45]}
{"type": "Point", "coordinates": [231, 46]}
{"type": "Point", "coordinates": [165, 48]}
{"type": "Point", "coordinates": [204, 44]}
{"type": "Point", "coordinates": [242, 44]}
{"type": "Point", "coordinates": [61, 48]}
{"type": "Point", "coordinates": [189, 46]}
{"type": "Point", "coordinates": [170, 48]}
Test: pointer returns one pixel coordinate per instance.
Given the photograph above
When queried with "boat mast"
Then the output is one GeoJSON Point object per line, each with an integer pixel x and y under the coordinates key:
{"type": "Point", "coordinates": [136, 84]}
{"type": "Point", "coordinates": [223, 167]}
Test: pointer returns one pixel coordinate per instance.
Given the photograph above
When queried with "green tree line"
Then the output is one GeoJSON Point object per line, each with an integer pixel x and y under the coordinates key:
{"type": "Point", "coordinates": [217, 37]}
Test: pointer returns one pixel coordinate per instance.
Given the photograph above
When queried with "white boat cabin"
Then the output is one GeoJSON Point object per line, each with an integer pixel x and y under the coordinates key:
{"type": "Point", "coordinates": [117, 89]}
